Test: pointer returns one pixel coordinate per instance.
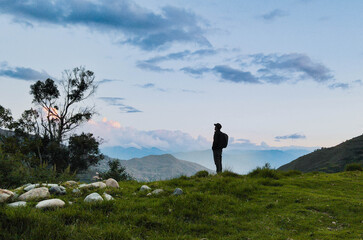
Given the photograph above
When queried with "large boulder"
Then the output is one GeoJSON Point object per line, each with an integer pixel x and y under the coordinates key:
{"type": "Point", "coordinates": [5, 195]}
{"type": "Point", "coordinates": [17, 204]}
{"type": "Point", "coordinates": [93, 197]}
{"type": "Point", "coordinates": [112, 183]}
{"type": "Point", "coordinates": [58, 190]}
{"type": "Point", "coordinates": [36, 193]}
{"type": "Point", "coordinates": [50, 203]}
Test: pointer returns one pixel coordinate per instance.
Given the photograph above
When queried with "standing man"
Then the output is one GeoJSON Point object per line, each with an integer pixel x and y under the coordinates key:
{"type": "Point", "coordinates": [218, 146]}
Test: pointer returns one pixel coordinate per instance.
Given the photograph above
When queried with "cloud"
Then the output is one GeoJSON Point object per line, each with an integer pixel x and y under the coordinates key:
{"type": "Point", "coordinates": [291, 136]}
{"type": "Point", "coordinates": [107, 81]}
{"type": "Point", "coordinates": [195, 71]}
{"type": "Point", "coordinates": [274, 14]}
{"type": "Point", "coordinates": [138, 26]}
{"type": "Point", "coordinates": [339, 85]}
{"type": "Point", "coordinates": [22, 73]}
{"type": "Point", "coordinates": [183, 55]}
{"type": "Point", "coordinates": [151, 64]}
{"type": "Point", "coordinates": [118, 102]}
{"type": "Point", "coordinates": [278, 68]}
{"type": "Point", "coordinates": [150, 86]}
{"type": "Point", "coordinates": [152, 67]}
{"type": "Point", "coordinates": [234, 75]}
{"type": "Point", "coordinates": [115, 134]}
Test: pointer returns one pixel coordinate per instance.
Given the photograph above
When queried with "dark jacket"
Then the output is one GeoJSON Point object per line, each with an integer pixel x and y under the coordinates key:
{"type": "Point", "coordinates": [217, 140]}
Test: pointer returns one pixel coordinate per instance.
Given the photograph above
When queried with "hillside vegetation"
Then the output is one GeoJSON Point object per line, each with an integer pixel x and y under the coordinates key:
{"type": "Point", "coordinates": [265, 204]}
{"type": "Point", "coordinates": [330, 160]}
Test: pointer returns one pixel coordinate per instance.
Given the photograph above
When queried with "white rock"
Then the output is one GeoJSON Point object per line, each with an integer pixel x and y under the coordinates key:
{"type": "Point", "coordinates": [157, 191]}
{"type": "Point", "coordinates": [17, 204]}
{"type": "Point", "coordinates": [98, 184]}
{"type": "Point", "coordinates": [50, 203]}
{"type": "Point", "coordinates": [112, 183]}
{"type": "Point", "coordinates": [30, 187]}
{"type": "Point", "coordinates": [36, 193]}
{"type": "Point", "coordinates": [50, 185]}
{"type": "Point", "coordinates": [149, 194]}
{"type": "Point", "coordinates": [5, 195]}
{"type": "Point", "coordinates": [145, 188]}
{"type": "Point", "coordinates": [108, 197]}
{"type": "Point", "coordinates": [93, 197]}
{"type": "Point", "coordinates": [178, 191]}
{"type": "Point", "coordinates": [83, 185]}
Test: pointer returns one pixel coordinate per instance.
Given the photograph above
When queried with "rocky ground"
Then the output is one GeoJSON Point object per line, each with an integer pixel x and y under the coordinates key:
{"type": "Point", "coordinates": [45, 193]}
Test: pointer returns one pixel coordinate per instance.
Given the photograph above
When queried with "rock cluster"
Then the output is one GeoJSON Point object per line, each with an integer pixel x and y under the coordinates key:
{"type": "Point", "coordinates": [42, 193]}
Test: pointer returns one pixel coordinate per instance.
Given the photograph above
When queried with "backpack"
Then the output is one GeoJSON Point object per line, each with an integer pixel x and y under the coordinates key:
{"type": "Point", "coordinates": [224, 140]}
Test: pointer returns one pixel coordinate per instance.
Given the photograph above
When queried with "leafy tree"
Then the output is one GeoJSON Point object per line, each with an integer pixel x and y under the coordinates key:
{"type": "Point", "coordinates": [63, 115]}
{"type": "Point", "coordinates": [116, 172]}
{"type": "Point", "coordinates": [84, 151]}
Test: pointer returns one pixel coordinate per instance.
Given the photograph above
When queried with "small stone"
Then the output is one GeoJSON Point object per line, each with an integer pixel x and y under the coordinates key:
{"type": "Point", "coordinates": [108, 197]}
{"type": "Point", "coordinates": [50, 203]}
{"type": "Point", "coordinates": [93, 197]}
{"type": "Point", "coordinates": [149, 194]}
{"type": "Point", "coordinates": [36, 193]}
{"type": "Point", "coordinates": [178, 191]}
{"type": "Point", "coordinates": [58, 190]}
{"type": "Point", "coordinates": [71, 183]}
{"type": "Point", "coordinates": [112, 183]}
{"type": "Point", "coordinates": [5, 195]}
{"type": "Point", "coordinates": [76, 190]}
{"type": "Point", "coordinates": [98, 184]}
{"type": "Point", "coordinates": [17, 204]}
{"type": "Point", "coordinates": [157, 191]}
{"type": "Point", "coordinates": [30, 187]}
{"type": "Point", "coordinates": [145, 188]}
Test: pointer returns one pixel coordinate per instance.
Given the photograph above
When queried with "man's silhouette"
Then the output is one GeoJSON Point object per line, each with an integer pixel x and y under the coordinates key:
{"type": "Point", "coordinates": [217, 146]}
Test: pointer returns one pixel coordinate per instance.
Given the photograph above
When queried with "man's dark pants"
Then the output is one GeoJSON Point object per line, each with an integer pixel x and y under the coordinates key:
{"type": "Point", "coordinates": [217, 155]}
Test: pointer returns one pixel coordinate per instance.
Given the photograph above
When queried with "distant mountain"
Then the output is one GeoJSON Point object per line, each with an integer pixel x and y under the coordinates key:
{"type": "Point", "coordinates": [150, 168]}
{"type": "Point", "coordinates": [131, 152]}
{"type": "Point", "coordinates": [331, 159]}
{"type": "Point", "coordinates": [243, 161]}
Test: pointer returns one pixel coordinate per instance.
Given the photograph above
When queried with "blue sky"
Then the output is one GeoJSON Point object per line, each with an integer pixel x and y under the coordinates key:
{"type": "Point", "coordinates": [273, 73]}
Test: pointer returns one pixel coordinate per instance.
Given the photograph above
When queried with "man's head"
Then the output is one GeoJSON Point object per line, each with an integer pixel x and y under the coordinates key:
{"type": "Point", "coordinates": [217, 126]}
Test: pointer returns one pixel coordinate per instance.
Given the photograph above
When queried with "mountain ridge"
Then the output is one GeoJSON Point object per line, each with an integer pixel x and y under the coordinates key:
{"type": "Point", "coordinates": [330, 160]}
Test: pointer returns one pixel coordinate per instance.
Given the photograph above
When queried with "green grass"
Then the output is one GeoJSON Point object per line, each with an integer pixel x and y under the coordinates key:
{"type": "Point", "coordinates": [266, 205]}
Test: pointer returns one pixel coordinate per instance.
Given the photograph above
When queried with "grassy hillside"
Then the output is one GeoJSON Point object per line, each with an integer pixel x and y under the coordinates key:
{"type": "Point", "coordinates": [264, 205]}
{"type": "Point", "coordinates": [330, 160]}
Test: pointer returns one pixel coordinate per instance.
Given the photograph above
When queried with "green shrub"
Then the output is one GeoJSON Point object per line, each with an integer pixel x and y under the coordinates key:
{"type": "Point", "coordinates": [353, 167]}
{"type": "Point", "coordinates": [264, 172]}
{"type": "Point", "coordinates": [228, 173]}
{"type": "Point", "coordinates": [291, 173]}
{"type": "Point", "coordinates": [201, 174]}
